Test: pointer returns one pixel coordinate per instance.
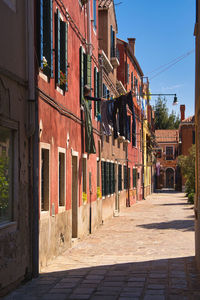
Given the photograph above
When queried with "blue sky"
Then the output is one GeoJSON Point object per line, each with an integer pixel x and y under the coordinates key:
{"type": "Point", "coordinates": [164, 31]}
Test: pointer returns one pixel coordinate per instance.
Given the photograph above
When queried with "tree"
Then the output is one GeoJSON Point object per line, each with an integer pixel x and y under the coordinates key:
{"type": "Point", "coordinates": [187, 164]}
{"type": "Point", "coordinates": [162, 118]}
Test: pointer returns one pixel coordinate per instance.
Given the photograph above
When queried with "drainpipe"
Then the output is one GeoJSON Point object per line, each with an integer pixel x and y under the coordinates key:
{"type": "Point", "coordinates": [32, 134]}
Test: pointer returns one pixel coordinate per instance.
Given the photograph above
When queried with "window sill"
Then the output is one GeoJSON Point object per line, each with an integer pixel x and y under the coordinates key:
{"type": "Point", "coordinates": [10, 226]}
{"type": "Point", "coordinates": [61, 209]}
{"type": "Point", "coordinates": [59, 90]}
{"type": "Point", "coordinates": [44, 214]}
{"type": "Point", "coordinates": [43, 76]}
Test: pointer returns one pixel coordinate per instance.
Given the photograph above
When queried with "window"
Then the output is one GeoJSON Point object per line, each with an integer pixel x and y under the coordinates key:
{"type": "Point", "coordinates": [131, 80]}
{"type": "Point", "coordinates": [107, 178]}
{"type": "Point", "coordinates": [134, 132]}
{"type": "Point", "coordinates": [134, 178]}
{"type": "Point", "coordinates": [158, 153]}
{"type": "Point", "coordinates": [128, 131]}
{"type": "Point", "coordinates": [6, 174]}
{"type": "Point", "coordinates": [61, 47]}
{"type": "Point", "coordinates": [127, 72]}
{"type": "Point", "coordinates": [169, 153]}
{"type": "Point", "coordinates": [44, 179]}
{"type": "Point", "coordinates": [119, 177]}
{"type": "Point", "coordinates": [84, 179]}
{"type": "Point", "coordinates": [85, 72]}
{"type": "Point", "coordinates": [135, 83]}
{"type": "Point", "coordinates": [103, 178]}
{"type": "Point", "coordinates": [45, 36]}
{"type": "Point", "coordinates": [94, 14]}
{"type": "Point", "coordinates": [125, 178]}
{"type": "Point", "coordinates": [98, 180]}
{"type": "Point", "coordinates": [129, 177]}
{"type": "Point", "coordinates": [61, 177]}
{"type": "Point", "coordinates": [112, 42]}
{"type": "Point", "coordinates": [96, 92]}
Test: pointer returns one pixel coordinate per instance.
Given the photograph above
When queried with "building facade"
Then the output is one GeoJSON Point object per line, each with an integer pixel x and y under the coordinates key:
{"type": "Point", "coordinates": [186, 136]}
{"type": "Point", "coordinates": [69, 132]}
{"type": "Point", "coordinates": [166, 153]}
{"type": "Point", "coordinates": [130, 74]}
{"type": "Point", "coordinates": [16, 141]}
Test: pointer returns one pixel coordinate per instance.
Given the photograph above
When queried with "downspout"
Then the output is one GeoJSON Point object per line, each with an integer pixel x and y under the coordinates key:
{"type": "Point", "coordinates": [32, 135]}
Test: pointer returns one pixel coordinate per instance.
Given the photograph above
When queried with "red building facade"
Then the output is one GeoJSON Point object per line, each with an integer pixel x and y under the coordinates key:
{"type": "Point", "coordinates": [67, 46]}
{"type": "Point", "coordinates": [130, 74]}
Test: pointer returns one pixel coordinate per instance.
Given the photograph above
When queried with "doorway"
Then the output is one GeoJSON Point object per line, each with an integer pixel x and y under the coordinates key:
{"type": "Point", "coordinates": [170, 178]}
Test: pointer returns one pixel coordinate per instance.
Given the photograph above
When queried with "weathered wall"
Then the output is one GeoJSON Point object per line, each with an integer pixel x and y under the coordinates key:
{"type": "Point", "coordinates": [15, 235]}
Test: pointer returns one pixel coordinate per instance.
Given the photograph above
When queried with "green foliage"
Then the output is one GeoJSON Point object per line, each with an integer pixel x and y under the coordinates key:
{"type": "Point", "coordinates": [187, 164]}
{"type": "Point", "coordinates": [4, 182]}
{"type": "Point", "coordinates": [162, 118]}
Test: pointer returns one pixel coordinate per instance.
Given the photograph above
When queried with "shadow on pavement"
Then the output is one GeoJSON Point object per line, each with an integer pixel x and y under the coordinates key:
{"type": "Point", "coordinates": [185, 225]}
{"type": "Point", "coordinates": [174, 278]}
{"type": "Point", "coordinates": [176, 204]}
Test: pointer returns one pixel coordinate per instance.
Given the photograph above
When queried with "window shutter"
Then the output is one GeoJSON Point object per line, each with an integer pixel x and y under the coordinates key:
{"type": "Point", "coordinates": [63, 52]}
{"type": "Point", "coordinates": [104, 91]}
{"type": "Point", "coordinates": [57, 31]}
{"type": "Point", "coordinates": [131, 80]}
{"type": "Point", "coordinates": [102, 179]}
{"type": "Point", "coordinates": [98, 92]}
{"type": "Point", "coordinates": [113, 166]}
{"type": "Point", "coordinates": [66, 55]}
{"type": "Point", "coordinates": [107, 179]}
{"type": "Point", "coordinates": [125, 177]}
{"type": "Point", "coordinates": [40, 33]}
{"type": "Point", "coordinates": [119, 177]}
{"type": "Point", "coordinates": [89, 75]}
{"type": "Point", "coordinates": [47, 37]}
{"type": "Point", "coordinates": [95, 91]}
{"type": "Point", "coordinates": [129, 177]}
{"type": "Point", "coordinates": [111, 41]}
{"type": "Point", "coordinates": [81, 74]}
{"type": "Point", "coordinates": [127, 73]}
{"type": "Point", "coordinates": [133, 133]}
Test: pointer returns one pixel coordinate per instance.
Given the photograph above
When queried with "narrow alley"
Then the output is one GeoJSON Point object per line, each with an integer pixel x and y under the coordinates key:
{"type": "Point", "coordinates": [147, 252]}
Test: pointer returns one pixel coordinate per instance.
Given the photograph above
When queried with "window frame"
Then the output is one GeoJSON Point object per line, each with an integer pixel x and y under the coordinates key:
{"type": "Point", "coordinates": [172, 152]}
{"type": "Point", "coordinates": [13, 126]}
{"type": "Point", "coordinates": [45, 146]}
{"type": "Point", "coordinates": [62, 207]}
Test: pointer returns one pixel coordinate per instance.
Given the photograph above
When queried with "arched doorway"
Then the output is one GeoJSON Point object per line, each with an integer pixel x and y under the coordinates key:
{"type": "Point", "coordinates": [170, 178]}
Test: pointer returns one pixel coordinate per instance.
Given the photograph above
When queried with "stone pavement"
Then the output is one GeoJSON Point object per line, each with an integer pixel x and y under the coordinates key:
{"type": "Point", "coordinates": [145, 253]}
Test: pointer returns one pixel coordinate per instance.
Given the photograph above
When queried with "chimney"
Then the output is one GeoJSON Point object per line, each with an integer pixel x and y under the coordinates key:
{"type": "Point", "coordinates": [131, 42]}
{"type": "Point", "coordinates": [182, 109]}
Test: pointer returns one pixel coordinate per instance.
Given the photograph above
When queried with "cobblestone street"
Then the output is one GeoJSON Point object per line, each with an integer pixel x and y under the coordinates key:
{"type": "Point", "coordinates": [147, 252]}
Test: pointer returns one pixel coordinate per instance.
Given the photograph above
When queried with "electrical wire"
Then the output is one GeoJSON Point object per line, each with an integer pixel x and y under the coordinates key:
{"type": "Point", "coordinates": [170, 64]}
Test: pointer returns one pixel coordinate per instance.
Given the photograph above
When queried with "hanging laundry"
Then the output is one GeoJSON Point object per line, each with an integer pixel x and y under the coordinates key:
{"type": "Point", "coordinates": [120, 104]}
{"type": "Point", "coordinates": [104, 118]}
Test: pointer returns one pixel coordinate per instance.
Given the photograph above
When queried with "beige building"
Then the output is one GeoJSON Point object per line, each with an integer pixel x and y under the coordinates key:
{"type": "Point", "coordinates": [16, 128]}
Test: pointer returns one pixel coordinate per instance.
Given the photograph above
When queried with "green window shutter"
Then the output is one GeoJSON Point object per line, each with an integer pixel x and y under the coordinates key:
{"type": "Point", "coordinates": [57, 42]}
{"type": "Point", "coordinates": [81, 74]}
{"type": "Point", "coordinates": [62, 54]}
{"type": "Point", "coordinates": [134, 177]}
{"type": "Point", "coordinates": [131, 80]}
{"type": "Point", "coordinates": [119, 177]}
{"type": "Point", "coordinates": [89, 74]}
{"type": "Point", "coordinates": [98, 92]}
{"type": "Point", "coordinates": [107, 178]}
{"type": "Point", "coordinates": [125, 177]}
{"type": "Point", "coordinates": [102, 179]}
{"type": "Point", "coordinates": [95, 91]}
{"type": "Point", "coordinates": [39, 10]}
{"type": "Point", "coordinates": [129, 177]}
{"type": "Point", "coordinates": [66, 55]}
{"type": "Point", "coordinates": [113, 166]}
{"type": "Point", "coordinates": [110, 178]}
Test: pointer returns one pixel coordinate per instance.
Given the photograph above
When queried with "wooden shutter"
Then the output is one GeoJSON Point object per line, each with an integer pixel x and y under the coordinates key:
{"type": "Point", "coordinates": [104, 91]}
{"type": "Point", "coordinates": [98, 91]}
{"type": "Point", "coordinates": [81, 74]}
{"type": "Point", "coordinates": [57, 42]}
{"type": "Point", "coordinates": [131, 80]}
{"type": "Point", "coordinates": [125, 177]}
{"type": "Point", "coordinates": [95, 91]}
{"type": "Point", "coordinates": [134, 177]}
{"type": "Point", "coordinates": [134, 133]}
{"type": "Point", "coordinates": [102, 179]}
{"type": "Point", "coordinates": [40, 32]}
{"type": "Point", "coordinates": [89, 74]}
{"type": "Point", "coordinates": [119, 177]}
